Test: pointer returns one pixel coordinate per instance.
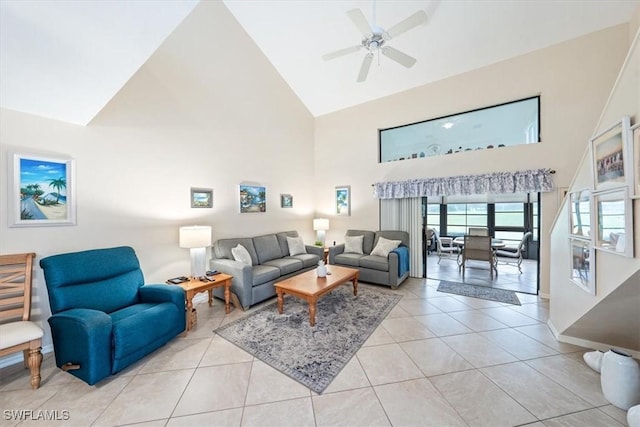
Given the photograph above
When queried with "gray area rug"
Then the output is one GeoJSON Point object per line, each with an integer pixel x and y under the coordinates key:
{"type": "Point", "coordinates": [310, 355]}
{"type": "Point", "coordinates": [482, 292]}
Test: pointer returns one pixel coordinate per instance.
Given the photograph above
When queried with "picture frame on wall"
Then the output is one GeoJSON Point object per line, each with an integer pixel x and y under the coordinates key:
{"type": "Point", "coordinates": [583, 264]}
{"type": "Point", "coordinates": [343, 200]}
{"type": "Point", "coordinates": [201, 197]}
{"type": "Point", "coordinates": [610, 157]}
{"type": "Point", "coordinates": [636, 160]}
{"type": "Point", "coordinates": [253, 199]}
{"type": "Point", "coordinates": [286, 201]}
{"type": "Point", "coordinates": [580, 213]}
{"type": "Point", "coordinates": [42, 190]}
{"type": "Point", "coordinates": [613, 221]}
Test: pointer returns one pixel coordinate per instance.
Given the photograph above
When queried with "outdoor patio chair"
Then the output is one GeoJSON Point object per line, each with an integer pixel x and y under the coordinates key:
{"type": "Point", "coordinates": [514, 254]}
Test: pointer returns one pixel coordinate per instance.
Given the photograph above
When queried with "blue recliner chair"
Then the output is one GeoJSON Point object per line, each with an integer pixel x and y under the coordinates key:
{"type": "Point", "coordinates": [104, 319]}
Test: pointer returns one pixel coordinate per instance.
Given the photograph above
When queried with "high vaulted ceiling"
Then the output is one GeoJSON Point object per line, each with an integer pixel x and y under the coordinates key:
{"type": "Point", "coordinates": [66, 59]}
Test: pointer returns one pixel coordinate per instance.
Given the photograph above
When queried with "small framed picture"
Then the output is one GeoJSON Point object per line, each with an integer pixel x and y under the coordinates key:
{"type": "Point", "coordinates": [610, 157]}
{"type": "Point", "coordinates": [583, 265]}
{"type": "Point", "coordinates": [201, 197]}
{"type": "Point", "coordinates": [343, 200]}
{"type": "Point", "coordinates": [253, 199]}
{"type": "Point", "coordinates": [636, 160]}
{"type": "Point", "coordinates": [42, 191]}
{"type": "Point", "coordinates": [286, 201]}
{"type": "Point", "coordinates": [580, 213]}
{"type": "Point", "coordinates": [613, 227]}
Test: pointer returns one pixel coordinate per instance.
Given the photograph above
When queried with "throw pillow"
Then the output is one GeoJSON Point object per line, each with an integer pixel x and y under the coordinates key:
{"type": "Point", "coordinates": [240, 253]}
{"type": "Point", "coordinates": [385, 246]}
{"type": "Point", "coordinates": [353, 244]}
{"type": "Point", "coordinates": [296, 246]}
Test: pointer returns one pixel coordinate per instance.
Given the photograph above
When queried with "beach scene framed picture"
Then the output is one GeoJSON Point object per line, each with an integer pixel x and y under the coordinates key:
{"type": "Point", "coordinates": [253, 198]}
{"type": "Point", "coordinates": [43, 191]}
{"type": "Point", "coordinates": [343, 200]}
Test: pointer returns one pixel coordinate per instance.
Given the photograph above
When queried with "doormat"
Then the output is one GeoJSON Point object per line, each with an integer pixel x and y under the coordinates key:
{"type": "Point", "coordinates": [482, 292]}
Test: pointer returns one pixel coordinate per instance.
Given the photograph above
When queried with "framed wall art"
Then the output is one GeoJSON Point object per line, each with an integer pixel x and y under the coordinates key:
{"type": "Point", "coordinates": [201, 197]}
{"type": "Point", "coordinates": [580, 213]}
{"type": "Point", "coordinates": [42, 191]}
{"type": "Point", "coordinates": [583, 265]}
{"type": "Point", "coordinates": [613, 224]}
{"type": "Point", "coordinates": [343, 200]}
{"type": "Point", "coordinates": [610, 157]}
{"type": "Point", "coordinates": [253, 199]}
{"type": "Point", "coordinates": [286, 201]}
{"type": "Point", "coordinates": [636, 160]}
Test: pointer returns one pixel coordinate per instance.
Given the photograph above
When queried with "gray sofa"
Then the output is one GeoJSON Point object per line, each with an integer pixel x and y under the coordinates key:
{"type": "Point", "coordinates": [387, 271]}
{"type": "Point", "coordinates": [270, 263]}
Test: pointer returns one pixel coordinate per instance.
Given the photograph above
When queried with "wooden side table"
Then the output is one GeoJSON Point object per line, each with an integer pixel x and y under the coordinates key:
{"type": "Point", "coordinates": [195, 286]}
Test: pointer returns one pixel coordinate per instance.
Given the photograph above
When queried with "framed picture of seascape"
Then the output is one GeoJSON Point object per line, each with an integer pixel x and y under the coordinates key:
{"type": "Point", "coordinates": [201, 197]}
{"type": "Point", "coordinates": [43, 191]}
{"type": "Point", "coordinates": [253, 199]}
{"type": "Point", "coordinates": [343, 200]}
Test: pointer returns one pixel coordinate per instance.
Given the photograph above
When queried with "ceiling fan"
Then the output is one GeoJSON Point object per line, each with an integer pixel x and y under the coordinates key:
{"type": "Point", "coordinates": [375, 40]}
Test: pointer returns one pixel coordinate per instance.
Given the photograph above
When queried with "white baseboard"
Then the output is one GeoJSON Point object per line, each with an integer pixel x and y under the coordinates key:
{"type": "Point", "coordinates": [588, 343]}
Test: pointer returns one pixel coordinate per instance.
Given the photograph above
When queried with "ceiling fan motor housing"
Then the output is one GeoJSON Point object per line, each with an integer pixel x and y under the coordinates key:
{"type": "Point", "coordinates": [373, 43]}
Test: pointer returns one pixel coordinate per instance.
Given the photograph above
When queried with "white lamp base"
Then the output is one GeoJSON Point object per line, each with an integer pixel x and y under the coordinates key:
{"type": "Point", "coordinates": [198, 262]}
{"type": "Point", "coordinates": [320, 237]}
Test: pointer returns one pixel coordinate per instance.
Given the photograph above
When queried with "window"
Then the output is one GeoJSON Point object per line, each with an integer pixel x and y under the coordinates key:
{"type": "Point", "coordinates": [461, 216]}
{"type": "Point", "coordinates": [509, 222]}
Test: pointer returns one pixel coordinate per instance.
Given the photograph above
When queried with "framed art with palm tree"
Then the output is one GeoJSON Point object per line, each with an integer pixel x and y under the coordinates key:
{"type": "Point", "coordinates": [43, 191]}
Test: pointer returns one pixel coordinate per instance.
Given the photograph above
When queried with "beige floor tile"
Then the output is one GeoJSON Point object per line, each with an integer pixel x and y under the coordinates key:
{"type": "Point", "coordinates": [351, 377]}
{"type": "Point", "coordinates": [349, 408]}
{"type": "Point", "coordinates": [590, 418]}
{"type": "Point", "coordinates": [416, 307]}
{"type": "Point", "coordinates": [297, 412]}
{"type": "Point", "coordinates": [478, 350]}
{"type": "Point", "coordinates": [448, 304]}
{"type": "Point", "coordinates": [442, 324]}
{"type": "Point", "coordinates": [434, 357]}
{"type": "Point", "coordinates": [387, 363]}
{"type": "Point", "coordinates": [379, 336]}
{"type": "Point", "coordinates": [477, 321]}
{"type": "Point", "coordinates": [146, 397]}
{"type": "Point", "coordinates": [214, 388]}
{"type": "Point", "coordinates": [572, 374]}
{"type": "Point", "coordinates": [616, 413]}
{"type": "Point", "coordinates": [17, 401]}
{"type": "Point", "coordinates": [477, 302]}
{"type": "Point", "coordinates": [509, 317]}
{"type": "Point", "coordinates": [538, 394]}
{"type": "Point", "coordinates": [479, 401]}
{"type": "Point", "coordinates": [225, 418]}
{"type": "Point", "coordinates": [221, 352]}
{"type": "Point", "coordinates": [542, 333]}
{"type": "Point", "coordinates": [267, 385]}
{"type": "Point", "coordinates": [520, 345]}
{"type": "Point", "coordinates": [178, 354]}
{"type": "Point", "coordinates": [536, 311]}
{"type": "Point", "coordinates": [417, 402]}
{"type": "Point", "coordinates": [406, 329]}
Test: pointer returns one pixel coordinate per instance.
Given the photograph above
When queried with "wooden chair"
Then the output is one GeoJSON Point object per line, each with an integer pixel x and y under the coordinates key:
{"type": "Point", "coordinates": [478, 248]}
{"type": "Point", "coordinates": [17, 333]}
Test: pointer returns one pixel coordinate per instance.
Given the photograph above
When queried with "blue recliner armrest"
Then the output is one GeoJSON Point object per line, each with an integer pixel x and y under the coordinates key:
{"type": "Point", "coordinates": [83, 337]}
{"type": "Point", "coordinates": [162, 293]}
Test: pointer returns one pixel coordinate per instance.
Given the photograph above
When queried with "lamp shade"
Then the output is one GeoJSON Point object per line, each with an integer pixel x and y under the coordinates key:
{"type": "Point", "coordinates": [320, 224]}
{"type": "Point", "coordinates": [196, 236]}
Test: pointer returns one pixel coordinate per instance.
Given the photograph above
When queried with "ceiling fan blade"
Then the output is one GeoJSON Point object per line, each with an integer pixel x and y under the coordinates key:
{"type": "Point", "coordinates": [399, 57]}
{"type": "Point", "coordinates": [361, 23]}
{"type": "Point", "coordinates": [364, 69]}
{"type": "Point", "coordinates": [403, 26]}
{"type": "Point", "coordinates": [341, 52]}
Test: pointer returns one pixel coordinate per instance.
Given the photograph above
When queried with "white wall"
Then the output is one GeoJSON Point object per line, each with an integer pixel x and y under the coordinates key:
{"type": "Point", "coordinates": [198, 114]}
{"type": "Point", "coordinates": [573, 78]}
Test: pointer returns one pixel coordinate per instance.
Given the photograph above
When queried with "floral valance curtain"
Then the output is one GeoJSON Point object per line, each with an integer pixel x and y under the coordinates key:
{"type": "Point", "coordinates": [529, 181]}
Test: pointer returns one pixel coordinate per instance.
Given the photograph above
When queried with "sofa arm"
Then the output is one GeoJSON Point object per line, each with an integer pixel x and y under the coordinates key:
{"type": "Point", "coordinates": [83, 337]}
{"type": "Point", "coordinates": [394, 261]}
{"type": "Point", "coordinates": [162, 293]}
{"type": "Point", "coordinates": [335, 250]}
{"type": "Point", "coordinates": [242, 282]}
{"type": "Point", "coordinates": [315, 250]}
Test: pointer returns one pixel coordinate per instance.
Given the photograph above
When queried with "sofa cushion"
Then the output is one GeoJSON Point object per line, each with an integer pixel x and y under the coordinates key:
{"type": "Point", "coordinates": [375, 262]}
{"type": "Point", "coordinates": [307, 260]}
{"type": "Point", "coordinates": [353, 244]}
{"type": "Point", "coordinates": [403, 236]}
{"type": "Point", "coordinates": [267, 248]}
{"type": "Point", "coordinates": [222, 248]}
{"type": "Point", "coordinates": [352, 260]}
{"type": "Point", "coordinates": [367, 243]}
{"type": "Point", "coordinates": [384, 246]}
{"type": "Point", "coordinates": [264, 273]}
{"type": "Point", "coordinates": [286, 265]}
{"type": "Point", "coordinates": [241, 254]}
{"type": "Point", "coordinates": [296, 246]}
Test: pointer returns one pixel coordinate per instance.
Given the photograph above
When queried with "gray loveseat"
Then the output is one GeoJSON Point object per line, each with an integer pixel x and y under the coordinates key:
{"type": "Point", "coordinates": [390, 271]}
{"type": "Point", "coordinates": [270, 263]}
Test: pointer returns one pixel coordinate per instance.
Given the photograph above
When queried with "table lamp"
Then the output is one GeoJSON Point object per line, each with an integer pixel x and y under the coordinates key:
{"type": "Point", "coordinates": [196, 238]}
{"type": "Point", "coordinates": [321, 225]}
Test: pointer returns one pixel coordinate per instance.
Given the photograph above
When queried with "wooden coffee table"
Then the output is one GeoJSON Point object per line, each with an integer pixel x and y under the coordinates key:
{"type": "Point", "coordinates": [310, 287]}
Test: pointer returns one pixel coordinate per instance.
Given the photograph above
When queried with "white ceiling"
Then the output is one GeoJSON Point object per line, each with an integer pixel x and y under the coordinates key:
{"type": "Point", "coordinates": [66, 59]}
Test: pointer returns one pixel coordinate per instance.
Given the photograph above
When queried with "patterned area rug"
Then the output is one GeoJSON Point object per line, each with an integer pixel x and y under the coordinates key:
{"type": "Point", "coordinates": [482, 292]}
{"type": "Point", "coordinates": [310, 355]}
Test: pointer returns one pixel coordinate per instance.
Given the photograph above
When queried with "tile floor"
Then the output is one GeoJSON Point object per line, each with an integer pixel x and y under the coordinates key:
{"type": "Point", "coordinates": [437, 359]}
